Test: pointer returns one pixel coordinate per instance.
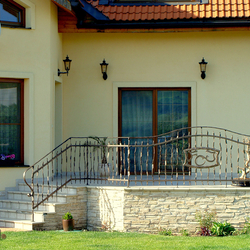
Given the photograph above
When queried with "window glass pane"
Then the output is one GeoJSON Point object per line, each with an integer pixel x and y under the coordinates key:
{"type": "Point", "coordinates": [10, 103]}
{"type": "Point", "coordinates": [10, 119]}
{"type": "Point", "coordinates": [137, 111]}
{"type": "Point", "coordinates": [172, 110]}
{"type": "Point", "coordinates": [9, 12]}
{"type": "Point", "coordinates": [10, 140]}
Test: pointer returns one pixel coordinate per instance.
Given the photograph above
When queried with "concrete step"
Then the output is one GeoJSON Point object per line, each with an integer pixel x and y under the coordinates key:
{"type": "Point", "coordinates": [23, 214]}
{"type": "Point", "coordinates": [26, 205]}
{"type": "Point", "coordinates": [20, 224]}
{"type": "Point", "coordinates": [65, 190]}
{"type": "Point", "coordinates": [22, 196]}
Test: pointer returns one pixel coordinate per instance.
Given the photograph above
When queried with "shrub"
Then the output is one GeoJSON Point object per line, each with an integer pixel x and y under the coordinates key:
{"type": "Point", "coordinates": [246, 229]}
{"type": "Point", "coordinates": [184, 232]}
{"type": "Point", "coordinates": [222, 229]}
{"type": "Point", "coordinates": [206, 220]}
{"type": "Point", "coordinates": [165, 232]}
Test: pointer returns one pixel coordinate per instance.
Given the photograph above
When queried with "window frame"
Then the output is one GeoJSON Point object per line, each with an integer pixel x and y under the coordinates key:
{"type": "Point", "coordinates": [15, 24]}
{"type": "Point", "coordinates": [21, 82]}
{"type": "Point", "coordinates": [154, 110]}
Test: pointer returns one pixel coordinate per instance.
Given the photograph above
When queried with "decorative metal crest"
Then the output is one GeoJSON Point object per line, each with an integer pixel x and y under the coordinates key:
{"type": "Point", "coordinates": [201, 157]}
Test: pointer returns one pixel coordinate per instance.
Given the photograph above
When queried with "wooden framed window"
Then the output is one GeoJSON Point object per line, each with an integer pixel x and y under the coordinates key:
{"type": "Point", "coordinates": [12, 119]}
{"type": "Point", "coordinates": [11, 14]}
{"type": "Point", "coordinates": [147, 112]}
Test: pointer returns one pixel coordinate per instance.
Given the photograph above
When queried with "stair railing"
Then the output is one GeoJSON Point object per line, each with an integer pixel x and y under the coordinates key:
{"type": "Point", "coordinates": [78, 159]}
{"type": "Point", "coordinates": [183, 157]}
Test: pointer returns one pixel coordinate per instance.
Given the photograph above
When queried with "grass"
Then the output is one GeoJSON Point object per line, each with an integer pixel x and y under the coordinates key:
{"type": "Point", "coordinates": [59, 240]}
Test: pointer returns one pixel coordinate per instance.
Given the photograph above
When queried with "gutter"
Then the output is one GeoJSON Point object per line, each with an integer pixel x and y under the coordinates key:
{"type": "Point", "coordinates": [166, 24]}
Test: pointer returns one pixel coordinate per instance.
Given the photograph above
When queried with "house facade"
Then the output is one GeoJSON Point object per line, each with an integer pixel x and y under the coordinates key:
{"type": "Point", "coordinates": [153, 53]}
{"type": "Point", "coordinates": [157, 54]}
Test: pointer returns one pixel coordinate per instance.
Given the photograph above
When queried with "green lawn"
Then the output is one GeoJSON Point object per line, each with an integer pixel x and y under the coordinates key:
{"type": "Point", "coordinates": [59, 240]}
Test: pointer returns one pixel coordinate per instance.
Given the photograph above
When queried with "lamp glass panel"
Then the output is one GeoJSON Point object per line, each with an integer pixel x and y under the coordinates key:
{"type": "Point", "coordinates": [203, 67]}
{"type": "Point", "coordinates": [67, 64]}
{"type": "Point", "coordinates": [104, 68]}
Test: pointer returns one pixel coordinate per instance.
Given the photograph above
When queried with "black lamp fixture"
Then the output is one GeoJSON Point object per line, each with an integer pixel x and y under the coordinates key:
{"type": "Point", "coordinates": [203, 65]}
{"type": "Point", "coordinates": [104, 68]}
{"type": "Point", "coordinates": [67, 63]}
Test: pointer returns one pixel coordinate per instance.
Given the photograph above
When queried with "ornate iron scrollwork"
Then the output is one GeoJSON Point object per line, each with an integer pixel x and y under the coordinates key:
{"type": "Point", "coordinates": [201, 157]}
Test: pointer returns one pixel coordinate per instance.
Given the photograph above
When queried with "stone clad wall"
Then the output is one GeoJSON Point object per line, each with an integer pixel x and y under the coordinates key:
{"type": "Point", "coordinates": [147, 210]}
{"type": "Point", "coordinates": [75, 204]}
{"type": "Point", "coordinates": [105, 208]}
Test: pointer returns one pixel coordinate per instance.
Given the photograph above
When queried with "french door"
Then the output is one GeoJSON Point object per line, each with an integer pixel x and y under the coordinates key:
{"type": "Point", "coordinates": [147, 112]}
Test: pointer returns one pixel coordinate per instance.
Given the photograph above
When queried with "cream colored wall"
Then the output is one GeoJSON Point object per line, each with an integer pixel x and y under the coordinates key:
{"type": "Point", "coordinates": [156, 59]}
{"type": "Point", "coordinates": [34, 55]}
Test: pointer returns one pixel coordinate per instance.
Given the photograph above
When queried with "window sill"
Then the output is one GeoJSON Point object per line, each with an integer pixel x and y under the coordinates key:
{"type": "Point", "coordinates": [15, 27]}
{"type": "Point", "coordinates": [7, 165]}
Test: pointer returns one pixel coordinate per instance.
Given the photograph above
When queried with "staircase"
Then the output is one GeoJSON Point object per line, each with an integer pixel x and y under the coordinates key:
{"type": "Point", "coordinates": [16, 212]}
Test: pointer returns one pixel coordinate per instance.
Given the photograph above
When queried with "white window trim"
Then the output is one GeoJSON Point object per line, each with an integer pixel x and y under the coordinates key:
{"type": "Point", "coordinates": [116, 85]}
{"type": "Point", "coordinates": [29, 132]}
{"type": "Point", "coordinates": [29, 13]}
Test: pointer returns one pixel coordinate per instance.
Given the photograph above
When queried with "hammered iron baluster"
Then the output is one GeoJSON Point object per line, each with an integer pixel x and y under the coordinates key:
{"type": "Point", "coordinates": [165, 161]}
{"type": "Point", "coordinates": [124, 160]}
{"type": "Point", "coordinates": [147, 160]}
{"type": "Point", "coordinates": [42, 181]}
{"type": "Point", "coordinates": [79, 163]}
{"type": "Point", "coordinates": [61, 156]}
{"type": "Point", "coordinates": [220, 169]}
{"type": "Point", "coordinates": [135, 168]}
{"type": "Point", "coordinates": [141, 160]}
{"type": "Point", "coordinates": [52, 171]}
{"type": "Point", "coordinates": [128, 161]}
{"type": "Point", "coordinates": [66, 169]}
{"type": "Point", "coordinates": [120, 162]}
{"type": "Point", "coordinates": [238, 159]}
{"type": "Point", "coordinates": [159, 163]}
{"type": "Point", "coordinates": [153, 164]}
{"type": "Point", "coordinates": [177, 159]}
{"type": "Point", "coordinates": [226, 166]}
{"type": "Point", "coordinates": [48, 181]}
{"type": "Point", "coordinates": [70, 162]}
{"type": "Point", "coordinates": [220, 152]}
{"type": "Point", "coordinates": [182, 159]}
{"type": "Point", "coordinates": [208, 171]}
{"type": "Point", "coordinates": [74, 163]}
{"type": "Point", "coordinates": [57, 172]}
{"type": "Point", "coordinates": [171, 161]}
{"type": "Point", "coordinates": [231, 156]}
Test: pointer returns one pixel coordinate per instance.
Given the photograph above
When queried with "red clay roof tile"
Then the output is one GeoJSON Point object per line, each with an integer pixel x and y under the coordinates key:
{"type": "Point", "coordinates": [214, 9]}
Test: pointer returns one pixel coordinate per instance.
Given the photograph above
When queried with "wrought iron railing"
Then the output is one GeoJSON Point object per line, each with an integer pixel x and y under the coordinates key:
{"type": "Point", "coordinates": [188, 156]}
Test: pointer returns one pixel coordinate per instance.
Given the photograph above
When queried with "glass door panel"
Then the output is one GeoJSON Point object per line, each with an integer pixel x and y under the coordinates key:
{"type": "Point", "coordinates": [172, 113]}
{"type": "Point", "coordinates": [137, 121]}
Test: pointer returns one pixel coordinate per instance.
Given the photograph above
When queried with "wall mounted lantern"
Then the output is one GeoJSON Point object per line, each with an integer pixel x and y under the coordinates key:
{"type": "Point", "coordinates": [203, 65]}
{"type": "Point", "coordinates": [104, 68]}
{"type": "Point", "coordinates": [67, 63]}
